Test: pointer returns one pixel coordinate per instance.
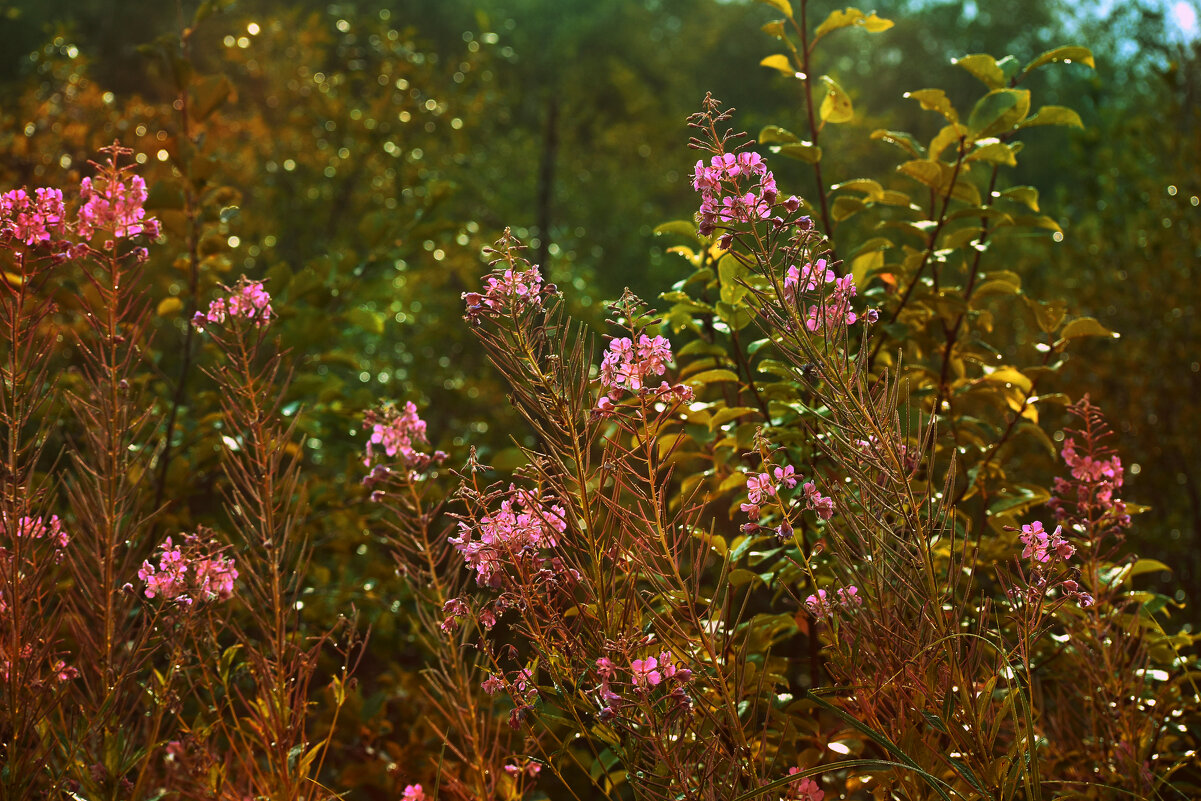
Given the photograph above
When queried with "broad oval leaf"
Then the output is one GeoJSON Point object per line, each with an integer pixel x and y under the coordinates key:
{"type": "Point", "coordinates": [984, 67]}
{"type": "Point", "coordinates": [783, 6]}
{"type": "Point", "coordinates": [780, 62]}
{"type": "Point", "coordinates": [774, 134]}
{"type": "Point", "coordinates": [999, 111]}
{"type": "Point", "coordinates": [1054, 115]}
{"type": "Point", "coordinates": [836, 105]}
{"type": "Point", "coordinates": [1086, 327]}
{"type": "Point", "coordinates": [1066, 55]}
{"type": "Point", "coordinates": [935, 100]}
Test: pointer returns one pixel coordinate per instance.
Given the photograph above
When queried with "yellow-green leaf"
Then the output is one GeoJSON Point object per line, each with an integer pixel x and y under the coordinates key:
{"type": "Point", "coordinates": [1023, 194]}
{"type": "Point", "coordinates": [851, 16]}
{"type": "Point", "coordinates": [935, 100]}
{"type": "Point", "coordinates": [901, 139]}
{"type": "Point", "coordinates": [774, 134]}
{"type": "Point", "coordinates": [993, 151]}
{"type": "Point", "coordinates": [774, 28]}
{"type": "Point", "coordinates": [1067, 55]}
{"type": "Point", "coordinates": [1086, 327]}
{"type": "Point", "coordinates": [999, 111]}
{"type": "Point", "coordinates": [844, 207]}
{"type": "Point", "coordinates": [780, 62]}
{"type": "Point", "coordinates": [681, 227]}
{"type": "Point", "coordinates": [984, 67]}
{"type": "Point", "coordinates": [802, 151]}
{"type": "Point", "coordinates": [836, 105]}
{"type": "Point", "coordinates": [1054, 115]}
{"type": "Point", "coordinates": [783, 6]}
{"type": "Point", "coordinates": [713, 377]}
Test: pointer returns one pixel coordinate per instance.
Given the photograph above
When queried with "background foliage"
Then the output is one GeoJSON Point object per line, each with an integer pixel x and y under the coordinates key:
{"type": "Point", "coordinates": [358, 156]}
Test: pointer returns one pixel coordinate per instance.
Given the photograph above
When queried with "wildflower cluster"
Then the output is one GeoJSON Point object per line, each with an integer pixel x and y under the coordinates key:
{"type": "Point", "coordinates": [32, 220]}
{"type": "Point", "coordinates": [114, 206]}
{"type": "Point", "coordinates": [184, 576]}
{"type": "Point", "coordinates": [734, 187]}
{"type": "Point", "coordinates": [247, 300]}
{"type": "Point", "coordinates": [512, 289]}
{"type": "Point", "coordinates": [826, 605]}
{"type": "Point", "coordinates": [525, 523]}
{"type": "Point", "coordinates": [398, 432]}
{"type": "Point", "coordinates": [645, 674]}
{"type": "Point", "coordinates": [1087, 498]}
{"type": "Point", "coordinates": [761, 486]}
{"type": "Point", "coordinates": [35, 528]}
{"type": "Point", "coordinates": [833, 308]}
{"type": "Point", "coordinates": [627, 365]}
{"type": "Point", "coordinates": [1044, 550]}
{"type": "Point", "coordinates": [804, 790]}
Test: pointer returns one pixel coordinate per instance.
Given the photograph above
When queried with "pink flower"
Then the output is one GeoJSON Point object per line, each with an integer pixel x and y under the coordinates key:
{"type": "Point", "coordinates": [31, 220]}
{"type": "Point", "coordinates": [413, 792]}
{"type": "Point", "coordinates": [184, 575]}
{"type": "Point", "coordinates": [758, 486]}
{"type": "Point", "coordinates": [1040, 546]}
{"type": "Point", "coordinates": [645, 673]}
{"type": "Point", "coordinates": [397, 431]}
{"type": "Point", "coordinates": [248, 300]}
{"type": "Point", "coordinates": [804, 790]}
{"type": "Point", "coordinates": [786, 476]}
{"type": "Point", "coordinates": [823, 505]}
{"type": "Point", "coordinates": [627, 366]}
{"type": "Point", "coordinates": [728, 190]}
{"type": "Point", "coordinates": [115, 207]}
{"type": "Point", "coordinates": [515, 289]}
{"type": "Point", "coordinates": [524, 522]}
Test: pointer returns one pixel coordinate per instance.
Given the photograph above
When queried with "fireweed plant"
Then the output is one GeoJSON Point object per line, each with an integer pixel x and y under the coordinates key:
{"type": "Point", "coordinates": [818, 614]}
{"type": "Point", "coordinates": [135, 665]}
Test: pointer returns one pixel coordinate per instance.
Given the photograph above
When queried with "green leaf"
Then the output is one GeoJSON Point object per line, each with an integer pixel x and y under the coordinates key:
{"type": "Point", "coordinates": [993, 151]}
{"type": "Point", "coordinates": [935, 100]}
{"type": "Point", "coordinates": [950, 134]}
{"type": "Point", "coordinates": [685, 228]}
{"type": "Point", "coordinates": [1054, 115]}
{"type": "Point", "coordinates": [1066, 55]}
{"type": "Point", "coordinates": [836, 105]}
{"type": "Point", "coordinates": [984, 67]}
{"type": "Point", "coordinates": [1022, 194]}
{"type": "Point", "coordinates": [780, 62]}
{"type": "Point", "coordinates": [901, 139]}
{"type": "Point", "coordinates": [783, 6]}
{"type": "Point", "coordinates": [852, 16]}
{"type": "Point", "coordinates": [774, 28]}
{"type": "Point", "coordinates": [922, 171]}
{"type": "Point", "coordinates": [737, 317]}
{"type": "Point", "coordinates": [1048, 315]}
{"type": "Point", "coordinates": [1086, 327]}
{"type": "Point", "coordinates": [715, 376]}
{"type": "Point", "coordinates": [774, 134]}
{"type": "Point", "coordinates": [802, 151]}
{"type": "Point", "coordinates": [1147, 566]}
{"type": "Point", "coordinates": [999, 111]}
{"type": "Point", "coordinates": [732, 272]}
{"type": "Point", "coordinates": [844, 207]}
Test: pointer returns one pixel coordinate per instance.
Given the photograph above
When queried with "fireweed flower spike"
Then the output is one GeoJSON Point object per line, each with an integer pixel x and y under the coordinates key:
{"type": "Point", "coordinates": [184, 574]}
{"type": "Point", "coordinates": [734, 188]}
{"type": "Point", "coordinates": [247, 300]}
{"type": "Point", "coordinates": [35, 220]}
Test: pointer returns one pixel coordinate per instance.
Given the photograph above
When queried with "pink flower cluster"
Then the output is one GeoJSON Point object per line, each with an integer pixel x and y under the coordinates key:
{"type": "Point", "coordinates": [512, 289]}
{"type": "Point", "coordinates": [824, 604]}
{"type": "Point", "coordinates": [831, 310]}
{"type": "Point", "coordinates": [35, 528]}
{"type": "Point", "coordinates": [631, 367]}
{"type": "Point", "coordinates": [32, 220]}
{"type": "Point", "coordinates": [397, 431]}
{"type": "Point", "coordinates": [183, 576]}
{"type": "Point", "coordinates": [115, 207]}
{"type": "Point", "coordinates": [413, 792]}
{"type": "Point", "coordinates": [525, 522]}
{"type": "Point", "coordinates": [645, 674]}
{"type": "Point", "coordinates": [1096, 475]}
{"type": "Point", "coordinates": [734, 188]}
{"type": "Point", "coordinates": [1041, 546]}
{"type": "Point", "coordinates": [804, 790]}
{"type": "Point", "coordinates": [247, 300]}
